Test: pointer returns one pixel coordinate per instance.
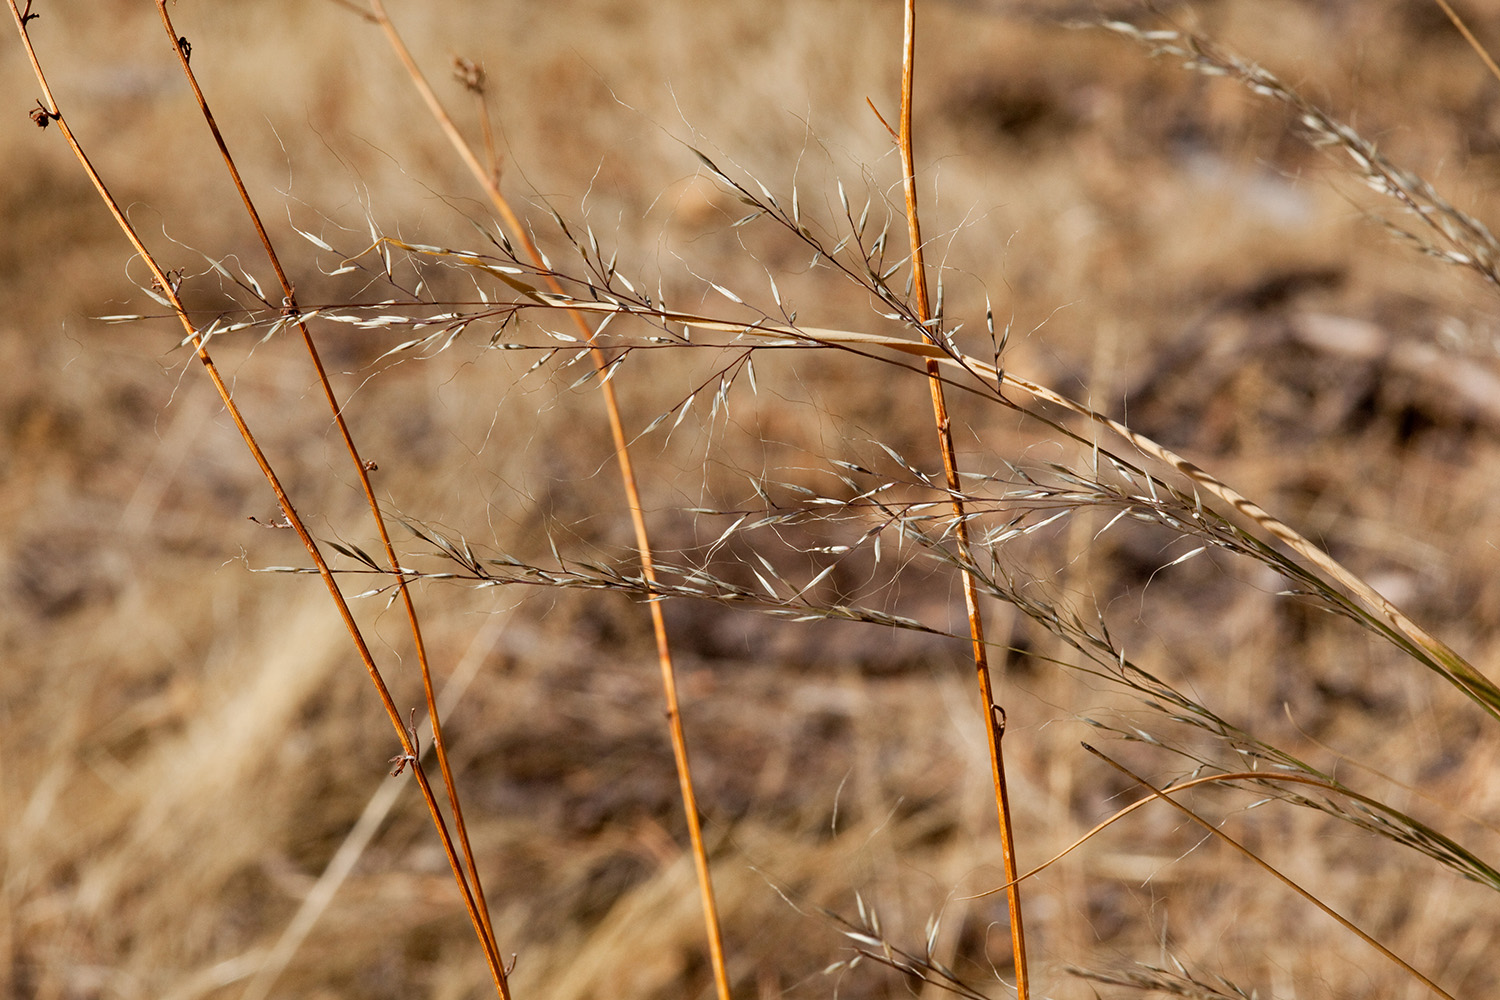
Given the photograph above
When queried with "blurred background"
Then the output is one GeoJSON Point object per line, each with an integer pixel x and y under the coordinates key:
{"type": "Point", "coordinates": [188, 742]}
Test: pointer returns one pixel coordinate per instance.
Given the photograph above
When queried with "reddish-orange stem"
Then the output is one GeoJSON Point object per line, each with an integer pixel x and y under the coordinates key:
{"type": "Point", "coordinates": [994, 715]}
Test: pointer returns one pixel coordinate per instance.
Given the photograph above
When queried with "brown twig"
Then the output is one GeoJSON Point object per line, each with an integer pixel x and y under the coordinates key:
{"type": "Point", "coordinates": [994, 714]}
{"type": "Point", "coordinates": [518, 233]}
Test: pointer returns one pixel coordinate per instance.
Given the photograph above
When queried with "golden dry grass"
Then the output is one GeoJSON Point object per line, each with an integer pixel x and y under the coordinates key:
{"type": "Point", "coordinates": [186, 743]}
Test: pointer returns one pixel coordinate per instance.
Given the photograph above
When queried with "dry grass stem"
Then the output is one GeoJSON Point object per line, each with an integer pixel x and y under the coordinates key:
{"type": "Point", "coordinates": [931, 326]}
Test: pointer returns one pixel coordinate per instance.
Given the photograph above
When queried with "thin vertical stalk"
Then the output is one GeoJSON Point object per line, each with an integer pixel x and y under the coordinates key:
{"type": "Point", "coordinates": [362, 470]}
{"type": "Point", "coordinates": [490, 183]}
{"type": "Point", "coordinates": [994, 715]}
{"type": "Point", "coordinates": [49, 113]}
{"type": "Point", "coordinates": [1474, 43]}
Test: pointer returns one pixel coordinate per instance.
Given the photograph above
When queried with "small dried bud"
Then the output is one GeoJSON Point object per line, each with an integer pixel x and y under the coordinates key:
{"type": "Point", "coordinates": [469, 73]}
{"type": "Point", "coordinates": [174, 282]}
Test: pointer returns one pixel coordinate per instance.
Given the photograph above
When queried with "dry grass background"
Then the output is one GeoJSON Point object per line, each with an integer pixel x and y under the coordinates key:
{"type": "Point", "coordinates": [186, 743]}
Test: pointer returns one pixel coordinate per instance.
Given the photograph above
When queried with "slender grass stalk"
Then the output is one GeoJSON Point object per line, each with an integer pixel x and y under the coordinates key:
{"type": "Point", "coordinates": [1474, 43]}
{"type": "Point", "coordinates": [51, 113]}
{"type": "Point", "coordinates": [488, 179]}
{"type": "Point", "coordinates": [994, 715]}
{"type": "Point", "coordinates": [362, 470]}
